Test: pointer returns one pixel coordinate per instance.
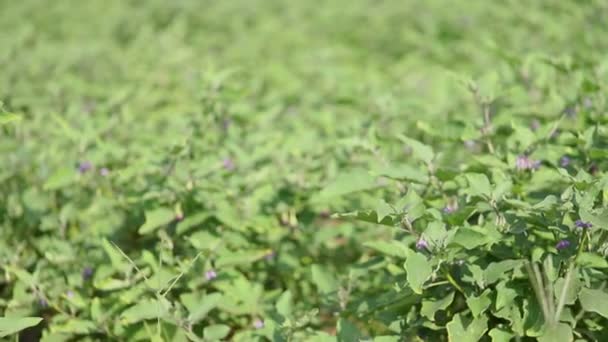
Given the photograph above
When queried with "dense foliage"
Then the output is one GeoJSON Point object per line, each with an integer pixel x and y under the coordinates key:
{"type": "Point", "coordinates": [303, 171]}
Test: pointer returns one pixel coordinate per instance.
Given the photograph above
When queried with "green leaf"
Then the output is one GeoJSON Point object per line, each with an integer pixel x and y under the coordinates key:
{"type": "Point", "coordinates": [571, 291]}
{"type": "Point", "coordinates": [199, 308]}
{"type": "Point", "coordinates": [75, 326]}
{"type": "Point", "coordinates": [6, 118]}
{"type": "Point", "coordinates": [12, 325]}
{"type": "Point", "coordinates": [347, 331]}
{"type": "Point", "coordinates": [420, 151]}
{"type": "Point", "coordinates": [469, 238]}
{"type": "Point", "coordinates": [155, 219]}
{"type": "Point", "coordinates": [391, 248]}
{"type": "Point", "coordinates": [216, 332]}
{"type": "Point", "coordinates": [498, 270]}
{"type": "Point", "coordinates": [479, 185]}
{"type": "Point", "coordinates": [500, 335]}
{"type": "Point", "coordinates": [144, 310]}
{"type": "Point", "coordinates": [240, 257]}
{"type": "Point", "coordinates": [60, 179]}
{"type": "Point", "coordinates": [594, 301]}
{"type": "Point", "coordinates": [586, 259]}
{"type": "Point", "coordinates": [504, 295]}
{"type": "Point", "coordinates": [284, 304]}
{"type": "Point", "coordinates": [404, 172]}
{"type": "Point", "coordinates": [325, 281]}
{"type": "Point", "coordinates": [118, 261]}
{"type": "Point", "coordinates": [418, 269]}
{"type": "Point", "coordinates": [467, 331]}
{"type": "Point", "coordinates": [346, 183]}
{"type": "Point", "coordinates": [430, 307]}
{"type": "Point", "coordinates": [383, 209]}
{"type": "Point", "coordinates": [480, 304]}
{"type": "Point", "coordinates": [366, 216]}
{"type": "Point", "coordinates": [562, 332]}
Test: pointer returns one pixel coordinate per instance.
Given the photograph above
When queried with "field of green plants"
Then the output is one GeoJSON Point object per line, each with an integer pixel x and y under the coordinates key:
{"type": "Point", "coordinates": [267, 170]}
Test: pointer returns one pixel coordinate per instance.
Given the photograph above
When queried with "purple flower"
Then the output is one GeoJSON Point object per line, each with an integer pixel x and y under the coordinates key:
{"type": "Point", "coordinates": [470, 144]}
{"type": "Point", "coordinates": [228, 164]}
{"type": "Point", "coordinates": [85, 166]}
{"type": "Point", "coordinates": [258, 323]}
{"type": "Point", "coordinates": [422, 244]}
{"type": "Point", "coordinates": [564, 161]}
{"type": "Point", "coordinates": [525, 163]}
{"type": "Point", "coordinates": [582, 224]}
{"type": "Point", "coordinates": [104, 172]}
{"type": "Point", "coordinates": [270, 255]}
{"type": "Point", "coordinates": [562, 244]}
{"type": "Point", "coordinates": [87, 273]}
{"type": "Point", "coordinates": [535, 125]}
{"type": "Point", "coordinates": [43, 303]}
{"type": "Point", "coordinates": [587, 103]}
{"type": "Point", "coordinates": [210, 275]}
{"type": "Point", "coordinates": [179, 216]}
{"type": "Point", "coordinates": [450, 208]}
{"type": "Point", "coordinates": [69, 294]}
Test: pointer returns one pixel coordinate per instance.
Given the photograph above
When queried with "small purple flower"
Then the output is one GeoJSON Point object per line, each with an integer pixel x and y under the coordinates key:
{"type": "Point", "coordinates": [587, 103]}
{"type": "Point", "coordinates": [270, 256]}
{"type": "Point", "coordinates": [258, 323]}
{"type": "Point", "coordinates": [535, 125]}
{"type": "Point", "coordinates": [87, 273]}
{"type": "Point", "coordinates": [179, 216]}
{"type": "Point", "coordinates": [228, 164]}
{"type": "Point", "coordinates": [43, 303]}
{"type": "Point", "coordinates": [210, 275]}
{"type": "Point", "coordinates": [564, 161]}
{"type": "Point", "coordinates": [525, 163]}
{"type": "Point", "coordinates": [470, 144]}
{"type": "Point", "coordinates": [582, 224]}
{"type": "Point", "coordinates": [450, 208]}
{"type": "Point", "coordinates": [104, 172]}
{"type": "Point", "coordinates": [562, 244]}
{"type": "Point", "coordinates": [85, 166]}
{"type": "Point", "coordinates": [422, 244]}
{"type": "Point", "coordinates": [69, 294]}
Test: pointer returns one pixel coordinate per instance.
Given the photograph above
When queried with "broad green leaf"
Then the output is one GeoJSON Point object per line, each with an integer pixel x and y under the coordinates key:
{"type": "Point", "coordinates": [6, 118]}
{"type": "Point", "coordinates": [346, 183]}
{"type": "Point", "coordinates": [284, 304]}
{"type": "Point", "coordinates": [383, 209]}
{"type": "Point", "coordinates": [198, 308]}
{"type": "Point", "coordinates": [479, 304]}
{"type": "Point", "coordinates": [420, 151]}
{"type": "Point", "coordinates": [463, 330]}
{"type": "Point", "coordinates": [594, 301]}
{"type": "Point", "coordinates": [391, 248]}
{"type": "Point", "coordinates": [587, 259]}
{"type": "Point", "coordinates": [155, 219]}
{"type": "Point", "coordinates": [325, 281]}
{"type": "Point", "coordinates": [75, 326]}
{"type": "Point", "coordinates": [366, 216]}
{"type": "Point", "coordinates": [144, 310]}
{"type": "Point", "coordinates": [418, 269]}
{"type": "Point", "coordinates": [118, 261]}
{"type": "Point", "coordinates": [216, 332]}
{"type": "Point", "coordinates": [12, 325]}
{"type": "Point", "coordinates": [347, 331]}
{"type": "Point", "coordinates": [430, 307]}
{"type": "Point", "coordinates": [562, 332]}
{"type": "Point", "coordinates": [240, 257]}
{"type": "Point", "coordinates": [60, 179]}
{"type": "Point", "coordinates": [404, 172]}
{"type": "Point", "coordinates": [479, 185]}
{"type": "Point", "coordinates": [500, 335]}
{"type": "Point", "coordinates": [499, 270]}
